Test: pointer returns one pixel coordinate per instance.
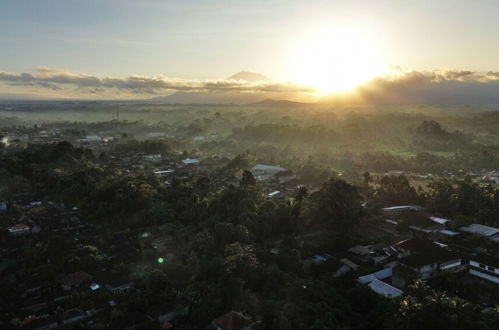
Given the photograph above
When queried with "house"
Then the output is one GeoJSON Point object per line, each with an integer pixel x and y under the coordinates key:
{"type": "Point", "coordinates": [152, 157]}
{"type": "Point", "coordinates": [234, 321]}
{"type": "Point", "coordinates": [424, 265]}
{"type": "Point", "coordinates": [400, 208]}
{"type": "Point", "coordinates": [384, 289]}
{"type": "Point", "coordinates": [485, 267]}
{"type": "Point", "coordinates": [93, 138]}
{"type": "Point", "coordinates": [275, 193]}
{"type": "Point", "coordinates": [18, 229]}
{"type": "Point", "coordinates": [360, 250]}
{"type": "Point", "coordinates": [449, 233]}
{"type": "Point", "coordinates": [479, 229]}
{"type": "Point", "coordinates": [156, 135]}
{"type": "Point", "coordinates": [349, 263]}
{"type": "Point", "coordinates": [190, 161]}
{"type": "Point", "coordinates": [74, 280]}
{"type": "Point", "coordinates": [119, 285]}
{"type": "Point", "coordinates": [266, 173]}
{"type": "Point", "coordinates": [491, 233]}
{"type": "Point", "coordinates": [441, 221]}
{"type": "Point", "coordinates": [420, 222]}
{"type": "Point", "coordinates": [285, 176]}
{"type": "Point", "coordinates": [414, 245]}
{"type": "Point", "coordinates": [338, 268]}
{"type": "Point", "coordinates": [325, 264]}
{"type": "Point", "coordinates": [420, 257]}
{"type": "Point", "coordinates": [379, 275]}
{"type": "Point", "coordinates": [161, 174]}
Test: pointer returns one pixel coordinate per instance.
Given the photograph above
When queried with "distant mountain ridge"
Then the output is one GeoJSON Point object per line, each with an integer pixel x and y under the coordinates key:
{"type": "Point", "coordinates": [273, 102]}
{"type": "Point", "coordinates": [218, 97]}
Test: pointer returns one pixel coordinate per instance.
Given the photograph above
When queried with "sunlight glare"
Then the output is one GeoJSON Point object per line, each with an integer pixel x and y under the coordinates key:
{"type": "Point", "coordinates": [337, 61]}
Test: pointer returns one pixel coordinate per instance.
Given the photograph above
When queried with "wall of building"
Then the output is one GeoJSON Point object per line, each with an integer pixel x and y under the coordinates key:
{"type": "Point", "coordinates": [489, 277]}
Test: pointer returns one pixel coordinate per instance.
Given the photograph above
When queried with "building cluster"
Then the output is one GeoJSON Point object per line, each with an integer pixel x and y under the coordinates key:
{"type": "Point", "coordinates": [426, 249]}
{"type": "Point", "coordinates": [46, 297]}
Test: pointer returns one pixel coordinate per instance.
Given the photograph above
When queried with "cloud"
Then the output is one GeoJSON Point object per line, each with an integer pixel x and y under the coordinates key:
{"type": "Point", "coordinates": [56, 79]}
{"type": "Point", "coordinates": [399, 86]}
{"type": "Point", "coordinates": [402, 86]}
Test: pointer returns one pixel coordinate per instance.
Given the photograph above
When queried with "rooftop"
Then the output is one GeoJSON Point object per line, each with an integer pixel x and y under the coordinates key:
{"type": "Point", "coordinates": [436, 255]}
{"type": "Point", "coordinates": [267, 168]}
{"type": "Point", "coordinates": [403, 208]}
{"type": "Point", "coordinates": [379, 275]}
{"type": "Point", "coordinates": [384, 289]}
{"type": "Point", "coordinates": [479, 229]}
{"type": "Point", "coordinates": [416, 244]}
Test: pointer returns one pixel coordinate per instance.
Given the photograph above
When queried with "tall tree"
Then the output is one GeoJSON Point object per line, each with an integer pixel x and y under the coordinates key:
{"type": "Point", "coordinates": [336, 203]}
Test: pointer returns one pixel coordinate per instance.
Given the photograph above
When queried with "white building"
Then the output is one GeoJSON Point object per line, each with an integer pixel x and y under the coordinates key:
{"type": "Point", "coordinates": [152, 157]}
{"type": "Point", "coordinates": [399, 208]}
{"type": "Point", "coordinates": [164, 173]}
{"type": "Point", "coordinates": [485, 267]}
{"type": "Point", "coordinates": [190, 161]}
{"type": "Point", "coordinates": [93, 138]}
{"type": "Point", "coordinates": [274, 193]}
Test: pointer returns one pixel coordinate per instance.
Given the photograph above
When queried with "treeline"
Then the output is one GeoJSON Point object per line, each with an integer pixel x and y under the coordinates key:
{"type": "Point", "coordinates": [477, 159]}
{"type": "Point", "coordinates": [465, 201]}
{"type": "Point", "coordinates": [283, 133]}
{"type": "Point", "coordinates": [432, 137]}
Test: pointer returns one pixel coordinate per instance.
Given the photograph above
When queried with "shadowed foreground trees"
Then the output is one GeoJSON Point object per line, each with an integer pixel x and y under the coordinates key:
{"type": "Point", "coordinates": [425, 308]}
{"type": "Point", "coordinates": [336, 203]}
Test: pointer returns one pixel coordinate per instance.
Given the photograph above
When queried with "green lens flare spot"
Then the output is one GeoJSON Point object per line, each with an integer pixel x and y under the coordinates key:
{"type": "Point", "coordinates": [161, 260]}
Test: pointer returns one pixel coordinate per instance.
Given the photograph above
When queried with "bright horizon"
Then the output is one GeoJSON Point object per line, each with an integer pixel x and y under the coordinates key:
{"type": "Point", "coordinates": [127, 49]}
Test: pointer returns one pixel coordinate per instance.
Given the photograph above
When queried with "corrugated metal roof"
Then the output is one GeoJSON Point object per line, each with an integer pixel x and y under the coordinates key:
{"type": "Point", "coordinates": [380, 275]}
{"type": "Point", "coordinates": [403, 207]}
{"type": "Point", "coordinates": [385, 289]}
{"type": "Point", "coordinates": [479, 229]}
{"type": "Point", "coordinates": [439, 220]}
{"type": "Point", "coordinates": [494, 238]}
{"type": "Point", "coordinates": [449, 232]}
{"type": "Point", "coordinates": [267, 168]}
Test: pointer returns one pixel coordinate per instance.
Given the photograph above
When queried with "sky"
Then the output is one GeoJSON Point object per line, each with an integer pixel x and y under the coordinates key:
{"type": "Point", "coordinates": [209, 40]}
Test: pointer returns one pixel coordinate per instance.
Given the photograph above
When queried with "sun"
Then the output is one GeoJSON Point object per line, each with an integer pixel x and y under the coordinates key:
{"type": "Point", "coordinates": [336, 61]}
